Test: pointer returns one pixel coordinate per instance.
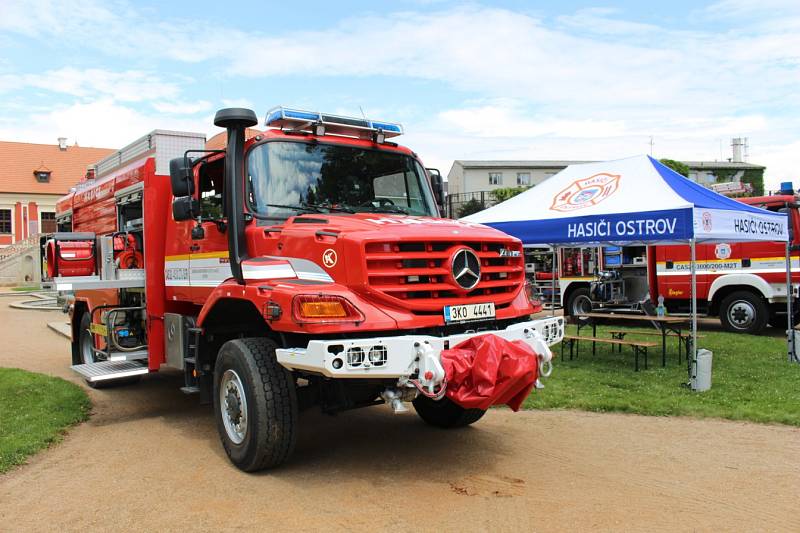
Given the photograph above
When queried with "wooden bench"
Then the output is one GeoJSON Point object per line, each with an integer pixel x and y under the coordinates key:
{"type": "Point", "coordinates": [637, 346]}
{"type": "Point", "coordinates": [619, 334]}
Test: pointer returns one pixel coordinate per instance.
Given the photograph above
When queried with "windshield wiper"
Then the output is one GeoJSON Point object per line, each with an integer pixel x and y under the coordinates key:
{"type": "Point", "coordinates": [329, 207]}
{"type": "Point", "coordinates": [387, 209]}
{"type": "Point", "coordinates": [305, 207]}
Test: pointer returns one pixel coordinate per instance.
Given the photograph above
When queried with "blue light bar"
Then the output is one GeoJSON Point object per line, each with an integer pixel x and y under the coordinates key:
{"type": "Point", "coordinates": [281, 117]}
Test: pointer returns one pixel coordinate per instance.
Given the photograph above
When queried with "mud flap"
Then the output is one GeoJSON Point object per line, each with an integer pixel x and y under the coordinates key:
{"type": "Point", "coordinates": [487, 370]}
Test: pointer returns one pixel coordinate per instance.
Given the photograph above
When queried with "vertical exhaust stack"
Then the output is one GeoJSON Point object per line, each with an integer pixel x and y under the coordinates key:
{"type": "Point", "coordinates": [236, 120]}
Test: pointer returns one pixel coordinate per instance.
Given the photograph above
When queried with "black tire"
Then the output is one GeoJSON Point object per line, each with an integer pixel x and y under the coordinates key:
{"type": "Point", "coordinates": [270, 404]}
{"type": "Point", "coordinates": [778, 320]}
{"type": "Point", "coordinates": [85, 341]}
{"type": "Point", "coordinates": [578, 302]}
{"type": "Point", "coordinates": [743, 312]}
{"type": "Point", "coordinates": [445, 413]}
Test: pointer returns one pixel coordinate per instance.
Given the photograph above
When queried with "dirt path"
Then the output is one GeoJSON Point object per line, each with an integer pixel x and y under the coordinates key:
{"type": "Point", "coordinates": [150, 459]}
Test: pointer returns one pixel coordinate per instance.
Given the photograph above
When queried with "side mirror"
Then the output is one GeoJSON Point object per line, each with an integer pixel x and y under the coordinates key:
{"type": "Point", "coordinates": [184, 208]}
{"type": "Point", "coordinates": [180, 175]}
{"type": "Point", "coordinates": [437, 184]}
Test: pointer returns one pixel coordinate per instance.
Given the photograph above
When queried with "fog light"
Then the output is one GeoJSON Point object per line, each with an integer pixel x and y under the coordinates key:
{"type": "Point", "coordinates": [355, 356]}
{"type": "Point", "coordinates": [378, 355]}
{"type": "Point", "coordinates": [337, 363]}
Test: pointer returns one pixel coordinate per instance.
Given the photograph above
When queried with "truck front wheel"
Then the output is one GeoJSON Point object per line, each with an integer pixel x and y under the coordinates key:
{"type": "Point", "coordinates": [743, 312]}
{"type": "Point", "coordinates": [255, 404]}
{"type": "Point", "coordinates": [445, 413]}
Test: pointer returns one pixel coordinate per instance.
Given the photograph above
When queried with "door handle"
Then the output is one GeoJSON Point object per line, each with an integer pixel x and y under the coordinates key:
{"type": "Point", "coordinates": [194, 247]}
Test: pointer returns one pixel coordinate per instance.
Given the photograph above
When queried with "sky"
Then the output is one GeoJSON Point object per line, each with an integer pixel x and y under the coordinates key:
{"type": "Point", "coordinates": [478, 80]}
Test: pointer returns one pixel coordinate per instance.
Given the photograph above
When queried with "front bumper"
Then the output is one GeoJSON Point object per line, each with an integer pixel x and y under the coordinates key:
{"type": "Point", "coordinates": [399, 357]}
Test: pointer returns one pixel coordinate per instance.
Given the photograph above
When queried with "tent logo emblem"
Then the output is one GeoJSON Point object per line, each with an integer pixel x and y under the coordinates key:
{"type": "Point", "coordinates": [707, 225]}
{"type": "Point", "coordinates": [586, 192]}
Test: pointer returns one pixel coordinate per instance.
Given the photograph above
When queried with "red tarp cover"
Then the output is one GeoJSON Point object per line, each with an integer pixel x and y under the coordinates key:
{"type": "Point", "coordinates": [487, 370]}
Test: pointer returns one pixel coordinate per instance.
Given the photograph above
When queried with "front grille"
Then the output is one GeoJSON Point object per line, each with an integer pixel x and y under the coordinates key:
{"type": "Point", "coordinates": [416, 274]}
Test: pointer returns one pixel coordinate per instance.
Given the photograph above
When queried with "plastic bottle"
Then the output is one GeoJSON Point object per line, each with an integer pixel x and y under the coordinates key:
{"type": "Point", "coordinates": [661, 310]}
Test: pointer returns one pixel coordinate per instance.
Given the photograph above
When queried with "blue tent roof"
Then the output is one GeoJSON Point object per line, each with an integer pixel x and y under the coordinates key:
{"type": "Point", "coordinates": [631, 200]}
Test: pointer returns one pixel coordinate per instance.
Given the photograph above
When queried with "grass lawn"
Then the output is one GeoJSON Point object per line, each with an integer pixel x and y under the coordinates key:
{"type": "Point", "coordinates": [25, 289]}
{"type": "Point", "coordinates": [34, 412]}
{"type": "Point", "coordinates": [751, 380]}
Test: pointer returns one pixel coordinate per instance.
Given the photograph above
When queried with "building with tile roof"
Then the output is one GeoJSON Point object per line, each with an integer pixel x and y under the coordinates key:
{"type": "Point", "coordinates": [32, 178]}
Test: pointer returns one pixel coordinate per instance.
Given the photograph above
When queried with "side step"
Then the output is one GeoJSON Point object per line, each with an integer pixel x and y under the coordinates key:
{"type": "Point", "coordinates": [105, 370]}
{"type": "Point", "coordinates": [128, 356]}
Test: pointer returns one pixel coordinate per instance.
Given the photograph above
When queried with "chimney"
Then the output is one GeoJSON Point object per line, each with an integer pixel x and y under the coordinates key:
{"type": "Point", "coordinates": [738, 144]}
{"type": "Point", "coordinates": [62, 143]}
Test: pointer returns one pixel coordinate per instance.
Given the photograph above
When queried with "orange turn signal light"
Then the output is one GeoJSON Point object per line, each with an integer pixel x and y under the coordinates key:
{"type": "Point", "coordinates": [328, 309]}
{"type": "Point", "coordinates": [324, 308]}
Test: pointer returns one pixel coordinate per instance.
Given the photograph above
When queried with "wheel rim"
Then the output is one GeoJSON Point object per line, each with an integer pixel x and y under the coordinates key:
{"type": "Point", "coordinates": [87, 352]}
{"type": "Point", "coordinates": [233, 406]}
{"type": "Point", "coordinates": [581, 305]}
{"type": "Point", "coordinates": [741, 314]}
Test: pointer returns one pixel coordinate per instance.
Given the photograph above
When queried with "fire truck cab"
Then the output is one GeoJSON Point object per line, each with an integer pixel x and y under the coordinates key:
{"type": "Point", "coordinates": [305, 265]}
{"type": "Point", "coordinates": [744, 284]}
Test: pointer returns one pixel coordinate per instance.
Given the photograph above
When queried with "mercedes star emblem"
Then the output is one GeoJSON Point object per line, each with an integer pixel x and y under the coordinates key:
{"type": "Point", "coordinates": [466, 269]}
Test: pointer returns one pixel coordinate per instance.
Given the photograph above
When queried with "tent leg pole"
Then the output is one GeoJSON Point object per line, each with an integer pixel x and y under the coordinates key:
{"type": "Point", "coordinates": [553, 284]}
{"type": "Point", "coordinates": [694, 304]}
{"type": "Point", "coordinates": [789, 311]}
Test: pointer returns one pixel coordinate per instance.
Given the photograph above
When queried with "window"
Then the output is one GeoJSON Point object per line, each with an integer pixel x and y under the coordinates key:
{"type": "Point", "coordinates": [42, 176]}
{"type": "Point", "coordinates": [48, 222]}
{"type": "Point", "coordinates": [210, 185]}
{"type": "Point", "coordinates": [5, 220]}
{"type": "Point", "coordinates": [524, 179]}
{"type": "Point", "coordinates": [290, 177]}
{"type": "Point", "coordinates": [495, 178]}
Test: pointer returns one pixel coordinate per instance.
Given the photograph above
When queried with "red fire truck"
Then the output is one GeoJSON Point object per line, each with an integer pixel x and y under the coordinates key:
{"type": "Point", "coordinates": [303, 266]}
{"type": "Point", "coordinates": [744, 284]}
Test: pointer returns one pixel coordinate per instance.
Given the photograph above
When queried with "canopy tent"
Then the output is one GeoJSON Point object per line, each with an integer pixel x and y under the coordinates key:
{"type": "Point", "coordinates": [636, 200]}
{"type": "Point", "coordinates": [633, 200]}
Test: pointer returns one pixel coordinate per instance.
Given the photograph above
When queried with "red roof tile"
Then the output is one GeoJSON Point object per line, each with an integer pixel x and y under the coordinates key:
{"type": "Point", "coordinates": [18, 161]}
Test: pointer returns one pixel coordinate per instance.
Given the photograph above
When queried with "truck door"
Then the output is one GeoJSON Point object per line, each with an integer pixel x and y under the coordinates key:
{"type": "Point", "coordinates": [673, 268]}
{"type": "Point", "coordinates": [209, 264]}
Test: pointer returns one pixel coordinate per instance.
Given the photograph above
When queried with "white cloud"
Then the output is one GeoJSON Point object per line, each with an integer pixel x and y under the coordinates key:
{"type": "Point", "coordinates": [102, 123]}
{"type": "Point", "coordinates": [124, 86]}
{"type": "Point", "coordinates": [182, 108]}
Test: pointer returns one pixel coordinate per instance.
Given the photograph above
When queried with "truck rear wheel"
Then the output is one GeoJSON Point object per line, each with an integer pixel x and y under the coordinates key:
{"type": "Point", "coordinates": [579, 302]}
{"type": "Point", "coordinates": [743, 312]}
{"type": "Point", "coordinates": [445, 413]}
{"type": "Point", "coordinates": [255, 404]}
{"type": "Point", "coordinates": [87, 355]}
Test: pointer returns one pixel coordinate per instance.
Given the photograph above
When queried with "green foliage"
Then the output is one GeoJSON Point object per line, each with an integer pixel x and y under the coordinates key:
{"type": "Point", "coordinates": [677, 166]}
{"type": "Point", "coordinates": [755, 177]}
{"type": "Point", "coordinates": [34, 412]}
{"type": "Point", "coordinates": [504, 193]}
{"type": "Point", "coordinates": [469, 207]}
{"type": "Point", "coordinates": [752, 380]}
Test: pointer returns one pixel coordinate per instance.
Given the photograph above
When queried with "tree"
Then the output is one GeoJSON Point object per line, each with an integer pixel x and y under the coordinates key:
{"type": "Point", "coordinates": [677, 166]}
{"type": "Point", "coordinates": [503, 194]}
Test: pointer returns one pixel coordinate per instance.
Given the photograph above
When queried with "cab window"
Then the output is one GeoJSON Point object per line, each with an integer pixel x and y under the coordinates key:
{"type": "Point", "coordinates": [210, 184]}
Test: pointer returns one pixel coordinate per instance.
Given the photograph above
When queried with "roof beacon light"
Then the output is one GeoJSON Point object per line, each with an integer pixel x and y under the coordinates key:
{"type": "Point", "coordinates": [321, 123]}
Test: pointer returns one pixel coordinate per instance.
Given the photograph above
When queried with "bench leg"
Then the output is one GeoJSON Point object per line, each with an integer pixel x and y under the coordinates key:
{"type": "Point", "coordinates": [563, 342]}
{"type": "Point", "coordinates": [645, 357]}
{"type": "Point", "coordinates": [594, 334]}
{"type": "Point", "coordinates": [636, 358]}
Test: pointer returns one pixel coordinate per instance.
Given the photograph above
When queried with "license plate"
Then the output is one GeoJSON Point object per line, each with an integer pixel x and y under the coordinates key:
{"type": "Point", "coordinates": [464, 313]}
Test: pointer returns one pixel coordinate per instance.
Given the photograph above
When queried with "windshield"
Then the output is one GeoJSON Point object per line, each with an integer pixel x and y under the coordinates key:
{"type": "Point", "coordinates": [287, 177]}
